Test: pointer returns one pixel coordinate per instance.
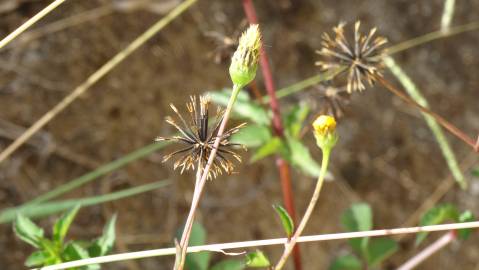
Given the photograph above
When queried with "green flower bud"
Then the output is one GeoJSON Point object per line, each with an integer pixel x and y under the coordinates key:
{"type": "Point", "coordinates": [325, 132]}
{"type": "Point", "coordinates": [244, 62]}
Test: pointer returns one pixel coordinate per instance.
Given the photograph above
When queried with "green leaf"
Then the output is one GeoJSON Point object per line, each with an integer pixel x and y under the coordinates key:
{"type": "Point", "coordinates": [104, 244]}
{"type": "Point", "coordinates": [26, 230]}
{"type": "Point", "coordinates": [379, 249]}
{"type": "Point", "coordinates": [45, 209]}
{"type": "Point", "coordinates": [273, 146]}
{"type": "Point", "coordinates": [475, 172]}
{"type": "Point", "coordinates": [294, 120]}
{"type": "Point", "coordinates": [252, 136]}
{"type": "Point", "coordinates": [257, 259]}
{"type": "Point", "coordinates": [62, 225]}
{"type": "Point", "coordinates": [437, 215]}
{"type": "Point", "coordinates": [37, 258]}
{"type": "Point", "coordinates": [358, 217]}
{"type": "Point", "coordinates": [197, 260]}
{"type": "Point", "coordinates": [244, 107]}
{"type": "Point", "coordinates": [229, 265]}
{"type": "Point", "coordinates": [74, 251]}
{"type": "Point", "coordinates": [286, 220]}
{"type": "Point", "coordinates": [301, 158]}
{"type": "Point", "coordinates": [466, 216]}
{"type": "Point", "coordinates": [346, 262]}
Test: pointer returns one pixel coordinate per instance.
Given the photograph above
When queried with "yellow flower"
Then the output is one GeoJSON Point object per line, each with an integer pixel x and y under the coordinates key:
{"type": "Point", "coordinates": [325, 132]}
{"type": "Point", "coordinates": [244, 62]}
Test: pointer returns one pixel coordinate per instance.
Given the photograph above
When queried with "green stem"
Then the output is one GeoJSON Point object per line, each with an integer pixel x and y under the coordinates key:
{"type": "Point", "coordinates": [314, 199]}
{"type": "Point", "coordinates": [201, 183]}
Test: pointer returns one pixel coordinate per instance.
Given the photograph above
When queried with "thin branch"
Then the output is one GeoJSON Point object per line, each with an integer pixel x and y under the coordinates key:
{"type": "Point", "coordinates": [258, 243]}
{"type": "Point", "coordinates": [447, 15]}
{"type": "Point", "coordinates": [282, 165]}
{"type": "Point", "coordinates": [30, 22]}
{"type": "Point", "coordinates": [441, 139]}
{"type": "Point", "coordinates": [95, 77]}
{"type": "Point", "coordinates": [429, 251]}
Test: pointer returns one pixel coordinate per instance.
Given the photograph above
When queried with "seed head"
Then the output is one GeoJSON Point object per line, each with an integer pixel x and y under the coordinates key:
{"type": "Point", "coordinates": [244, 62]}
{"type": "Point", "coordinates": [198, 137]}
{"type": "Point", "coordinates": [325, 132]}
{"type": "Point", "coordinates": [362, 57]}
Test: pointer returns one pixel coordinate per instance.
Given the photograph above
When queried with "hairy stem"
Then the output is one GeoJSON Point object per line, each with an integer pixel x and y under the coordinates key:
{"type": "Point", "coordinates": [200, 184]}
{"type": "Point", "coordinates": [309, 211]}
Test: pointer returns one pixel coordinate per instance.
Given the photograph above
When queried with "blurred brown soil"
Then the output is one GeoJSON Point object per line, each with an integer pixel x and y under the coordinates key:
{"type": "Point", "coordinates": [386, 155]}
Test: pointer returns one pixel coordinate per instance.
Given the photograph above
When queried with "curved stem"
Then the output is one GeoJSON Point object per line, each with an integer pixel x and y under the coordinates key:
{"type": "Point", "coordinates": [314, 199]}
{"type": "Point", "coordinates": [200, 184]}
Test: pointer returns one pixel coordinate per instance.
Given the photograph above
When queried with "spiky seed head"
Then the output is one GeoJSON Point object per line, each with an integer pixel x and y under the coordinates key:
{"type": "Point", "coordinates": [244, 62]}
{"type": "Point", "coordinates": [362, 57]}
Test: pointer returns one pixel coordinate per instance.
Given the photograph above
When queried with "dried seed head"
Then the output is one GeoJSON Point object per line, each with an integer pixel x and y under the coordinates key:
{"type": "Point", "coordinates": [244, 62]}
{"type": "Point", "coordinates": [198, 136]}
{"type": "Point", "coordinates": [362, 57]}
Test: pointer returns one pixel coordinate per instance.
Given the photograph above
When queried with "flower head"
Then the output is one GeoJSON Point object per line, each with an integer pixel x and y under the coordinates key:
{"type": "Point", "coordinates": [198, 137]}
{"type": "Point", "coordinates": [362, 57]}
{"type": "Point", "coordinates": [325, 132]}
{"type": "Point", "coordinates": [244, 62]}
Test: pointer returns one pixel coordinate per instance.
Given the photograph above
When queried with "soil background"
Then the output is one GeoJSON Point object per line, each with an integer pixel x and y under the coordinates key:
{"type": "Point", "coordinates": [386, 156]}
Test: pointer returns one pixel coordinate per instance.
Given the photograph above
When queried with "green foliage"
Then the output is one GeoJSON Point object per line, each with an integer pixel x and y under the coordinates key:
{"type": "Point", "coordinates": [48, 208]}
{"type": "Point", "coordinates": [441, 213]}
{"type": "Point", "coordinates": [301, 158]}
{"type": "Point", "coordinates": [201, 260]}
{"type": "Point", "coordinates": [294, 120]}
{"type": "Point", "coordinates": [346, 262]}
{"type": "Point", "coordinates": [252, 136]}
{"type": "Point", "coordinates": [244, 107]}
{"type": "Point", "coordinates": [198, 260]}
{"type": "Point", "coordinates": [286, 220]}
{"type": "Point", "coordinates": [57, 250]}
{"type": "Point", "coordinates": [475, 172]}
{"type": "Point", "coordinates": [257, 259]}
{"type": "Point", "coordinates": [273, 146]}
{"type": "Point", "coordinates": [370, 252]}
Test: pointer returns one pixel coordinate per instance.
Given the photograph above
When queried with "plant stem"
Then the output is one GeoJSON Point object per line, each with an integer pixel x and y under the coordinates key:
{"type": "Point", "coordinates": [258, 243]}
{"type": "Point", "coordinates": [30, 22]}
{"type": "Point", "coordinates": [282, 165]}
{"type": "Point", "coordinates": [442, 121]}
{"type": "Point", "coordinates": [314, 199]}
{"type": "Point", "coordinates": [429, 251]}
{"type": "Point", "coordinates": [202, 181]}
{"type": "Point", "coordinates": [95, 77]}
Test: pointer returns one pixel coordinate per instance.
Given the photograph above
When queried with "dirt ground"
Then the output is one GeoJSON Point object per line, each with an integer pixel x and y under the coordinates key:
{"type": "Point", "coordinates": [386, 155]}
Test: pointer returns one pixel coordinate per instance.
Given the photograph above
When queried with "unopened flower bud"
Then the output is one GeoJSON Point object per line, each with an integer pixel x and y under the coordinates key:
{"type": "Point", "coordinates": [325, 132]}
{"type": "Point", "coordinates": [244, 62]}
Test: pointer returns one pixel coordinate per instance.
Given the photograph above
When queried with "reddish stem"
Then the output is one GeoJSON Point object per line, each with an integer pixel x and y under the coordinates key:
{"type": "Point", "coordinates": [283, 167]}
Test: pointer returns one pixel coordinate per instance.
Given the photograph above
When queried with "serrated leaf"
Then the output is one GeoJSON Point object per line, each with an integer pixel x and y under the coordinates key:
{"type": "Point", "coordinates": [286, 220]}
{"type": "Point", "coordinates": [358, 217]}
{"type": "Point", "coordinates": [346, 262]}
{"type": "Point", "coordinates": [229, 265]}
{"type": "Point", "coordinates": [252, 136]}
{"type": "Point", "coordinates": [273, 146]}
{"type": "Point", "coordinates": [37, 258]}
{"type": "Point", "coordinates": [244, 107]}
{"type": "Point", "coordinates": [294, 120]}
{"type": "Point", "coordinates": [301, 158]}
{"type": "Point", "coordinates": [197, 260]}
{"type": "Point", "coordinates": [257, 259]}
{"type": "Point", "coordinates": [62, 225]}
{"type": "Point", "coordinates": [28, 231]}
{"type": "Point", "coordinates": [104, 244]}
{"type": "Point", "coordinates": [379, 249]}
{"type": "Point", "coordinates": [466, 216]}
{"type": "Point", "coordinates": [437, 215]}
